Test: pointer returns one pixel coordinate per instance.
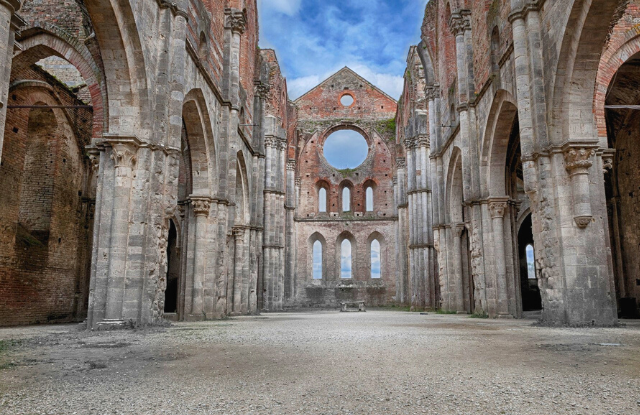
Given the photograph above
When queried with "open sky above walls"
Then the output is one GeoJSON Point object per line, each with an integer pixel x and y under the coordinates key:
{"type": "Point", "coordinates": [315, 38]}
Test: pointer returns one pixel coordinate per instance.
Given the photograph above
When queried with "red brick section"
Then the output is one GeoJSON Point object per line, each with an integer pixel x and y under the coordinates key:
{"type": "Point", "coordinates": [323, 102]}
{"type": "Point", "coordinates": [45, 238]}
{"type": "Point", "coordinates": [624, 42]}
{"type": "Point", "coordinates": [63, 13]}
{"type": "Point", "coordinates": [487, 15]}
{"type": "Point", "coordinates": [66, 19]}
{"type": "Point", "coordinates": [277, 101]}
{"type": "Point", "coordinates": [320, 109]}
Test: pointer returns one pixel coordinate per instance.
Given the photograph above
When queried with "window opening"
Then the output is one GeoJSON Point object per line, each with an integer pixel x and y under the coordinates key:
{"type": "Point", "coordinates": [375, 259]}
{"type": "Point", "coordinates": [345, 259]}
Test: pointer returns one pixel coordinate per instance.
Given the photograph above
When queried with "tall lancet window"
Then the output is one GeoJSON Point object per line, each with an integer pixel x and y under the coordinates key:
{"type": "Point", "coordinates": [317, 260]}
{"type": "Point", "coordinates": [322, 200]}
{"type": "Point", "coordinates": [369, 199]}
{"type": "Point", "coordinates": [345, 259]}
{"type": "Point", "coordinates": [375, 259]}
{"type": "Point", "coordinates": [346, 199]}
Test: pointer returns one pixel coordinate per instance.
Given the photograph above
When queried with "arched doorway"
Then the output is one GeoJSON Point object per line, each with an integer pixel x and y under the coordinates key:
{"type": "Point", "coordinates": [173, 271]}
{"type": "Point", "coordinates": [621, 184]}
{"type": "Point", "coordinates": [530, 291]}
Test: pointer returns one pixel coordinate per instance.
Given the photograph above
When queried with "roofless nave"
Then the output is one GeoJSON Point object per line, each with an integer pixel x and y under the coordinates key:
{"type": "Point", "coordinates": [153, 166]}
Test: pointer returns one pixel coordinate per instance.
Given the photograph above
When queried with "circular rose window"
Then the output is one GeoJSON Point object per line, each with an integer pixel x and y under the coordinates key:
{"type": "Point", "coordinates": [345, 149]}
{"type": "Point", "coordinates": [347, 100]}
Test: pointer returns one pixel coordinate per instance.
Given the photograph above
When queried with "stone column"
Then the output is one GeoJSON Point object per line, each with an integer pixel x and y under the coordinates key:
{"type": "Point", "coordinates": [10, 23]}
{"type": "Point", "coordinates": [497, 209]}
{"type": "Point", "coordinates": [201, 206]}
{"type": "Point", "coordinates": [238, 236]}
{"type": "Point", "coordinates": [458, 229]}
{"type": "Point", "coordinates": [577, 162]}
{"type": "Point", "coordinates": [124, 154]}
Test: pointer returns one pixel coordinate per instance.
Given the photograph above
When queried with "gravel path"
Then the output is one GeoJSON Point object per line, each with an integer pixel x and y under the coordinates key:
{"type": "Point", "coordinates": [379, 362]}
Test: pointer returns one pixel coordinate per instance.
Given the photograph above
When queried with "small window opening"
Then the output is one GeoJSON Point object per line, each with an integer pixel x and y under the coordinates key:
{"type": "Point", "coordinates": [531, 267]}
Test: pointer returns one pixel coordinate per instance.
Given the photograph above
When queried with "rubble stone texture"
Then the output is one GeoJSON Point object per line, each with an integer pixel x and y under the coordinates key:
{"type": "Point", "coordinates": [153, 167]}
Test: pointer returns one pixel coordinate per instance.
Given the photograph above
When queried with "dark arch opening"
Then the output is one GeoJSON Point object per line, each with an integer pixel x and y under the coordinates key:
{"type": "Point", "coordinates": [531, 299]}
{"type": "Point", "coordinates": [173, 271]}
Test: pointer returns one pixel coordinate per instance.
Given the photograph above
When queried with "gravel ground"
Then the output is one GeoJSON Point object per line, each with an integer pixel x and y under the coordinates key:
{"type": "Point", "coordinates": [379, 362]}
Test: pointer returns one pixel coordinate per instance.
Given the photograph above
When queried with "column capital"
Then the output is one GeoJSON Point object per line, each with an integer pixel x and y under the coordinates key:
{"type": "Point", "coordinates": [460, 22]}
{"type": "Point", "coordinates": [201, 205]}
{"type": "Point", "coordinates": [291, 164]}
{"type": "Point", "coordinates": [607, 160]}
{"type": "Point", "coordinates": [409, 143]}
{"type": "Point", "coordinates": [238, 232]}
{"type": "Point", "coordinates": [432, 92]}
{"type": "Point", "coordinates": [235, 20]}
{"type": "Point", "coordinates": [271, 142]}
{"type": "Point", "coordinates": [124, 154]}
{"type": "Point", "coordinates": [521, 11]}
{"type": "Point", "coordinates": [93, 154]}
{"type": "Point", "coordinates": [401, 162]}
{"type": "Point", "coordinates": [498, 208]}
{"type": "Point", "coordinates": [577, 159]}
{"type": "Point", "coordinates": [459, 229]}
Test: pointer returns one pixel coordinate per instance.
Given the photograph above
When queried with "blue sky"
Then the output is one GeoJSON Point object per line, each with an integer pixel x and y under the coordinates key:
{"type": "Point", "coordinates": [315, 38]}
{"type": "Point", "coordinates": [345, 149]}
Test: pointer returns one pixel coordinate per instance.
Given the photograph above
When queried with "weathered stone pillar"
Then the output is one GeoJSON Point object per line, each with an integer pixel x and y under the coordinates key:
{"type": "Point", "coordinates": [238, 277]}
{"type": "Point", "coordinates": [497, 214]}
{"type": "Point", "coordinates": [10, 23]}
{"type": "Point", "coordinates": [577, 162]}
{"type": "Point", "coordinates": [124, 154]}
{"type": "Point", "coordinates": [201, 206]}
{"type": "Point", "coordinates": [458, 229]}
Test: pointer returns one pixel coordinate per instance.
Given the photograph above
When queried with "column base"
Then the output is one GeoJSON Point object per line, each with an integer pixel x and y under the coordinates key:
{"type": "Point", "coordinates": [109, 324]}
{"type": "Point", "coordinates": [505, 316]}
{"type": "Point", "coordinates": [461, 312]}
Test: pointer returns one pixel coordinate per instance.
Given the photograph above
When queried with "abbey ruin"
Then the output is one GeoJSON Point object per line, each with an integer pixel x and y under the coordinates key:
{"type": "Point", "coordinates": [153, 166]}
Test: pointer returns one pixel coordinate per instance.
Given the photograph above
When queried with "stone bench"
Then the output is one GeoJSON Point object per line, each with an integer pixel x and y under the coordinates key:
{"type": "Point", "coordinates": [352, 306]}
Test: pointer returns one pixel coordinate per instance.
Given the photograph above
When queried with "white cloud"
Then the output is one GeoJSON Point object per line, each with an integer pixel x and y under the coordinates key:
{"type": "Point", "coordinates": [369, 36]}
{"type": "Point", "coordinates": [288, 7]}
{"type": "Point", "coordinates": [299, 86]}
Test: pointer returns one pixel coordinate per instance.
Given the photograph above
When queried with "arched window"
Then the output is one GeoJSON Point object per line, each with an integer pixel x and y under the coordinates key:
{"type": "Point", "coordinates": [375, 259]}
{"type": "Point", "coordinates": [322, 200]}
{"type": "Point", "coordinates": [346, 199]}
{"type": "Point", "coordinates": [345, 259]}
{"type": "Point", "coordinates": [317, 260]}
{"type": "Point", "coordinates": [369, 200]}
{"type": "Point", "coordinates": [531, 262]}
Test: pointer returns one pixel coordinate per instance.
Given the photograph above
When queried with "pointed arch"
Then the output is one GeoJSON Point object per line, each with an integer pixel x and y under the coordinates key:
{"type": "Point", "coordinates": [495, 143]}
{"type": "Point", "coordinates": [587, 28]}
{"type": "Point", "coordinates": [454, 196]}
{"type": "Point", "coordinates": [118, 36]}
{"type": "Point", "coordinates": [201, 144]}
{"type": "Point", "coordinates": [242, 192]}
{"type": "Point", "coordinates": [45, 40]}
{"type": "Point", "coordinates": [317, 246]}
{"type": "Point", "coordinates": [346, 256]}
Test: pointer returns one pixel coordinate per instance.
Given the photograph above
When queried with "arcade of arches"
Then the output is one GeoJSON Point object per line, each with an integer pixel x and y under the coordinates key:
{"type": "Point", "coordinates": [159, 171]}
